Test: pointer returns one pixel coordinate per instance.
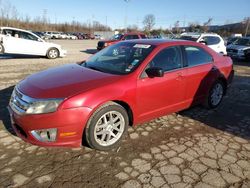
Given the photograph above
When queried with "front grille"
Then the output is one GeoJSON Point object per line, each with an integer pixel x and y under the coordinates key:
{"type": "Point", "coordinates": [19, 102]}
{"type": "Point", "coordinates": [20, 130]}
{"type": "Point", "coordinates": [100, 44]}
{"type": "Point", "coordinates": [232, 51]}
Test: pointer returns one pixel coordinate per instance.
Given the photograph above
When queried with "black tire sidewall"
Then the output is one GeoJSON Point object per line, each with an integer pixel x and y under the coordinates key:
{"type": "Point", "coordinates": [209, 103]}
{"type": "Point", "coordinates": [89, 132]}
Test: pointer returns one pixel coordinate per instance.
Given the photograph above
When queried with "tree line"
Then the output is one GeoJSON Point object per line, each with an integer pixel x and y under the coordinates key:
{"type": "Point", "coordinates": [10, 17]}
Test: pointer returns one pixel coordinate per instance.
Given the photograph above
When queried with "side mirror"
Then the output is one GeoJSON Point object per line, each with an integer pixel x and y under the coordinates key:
{"type": "Point", "coordinates": [203, 42]}
{"type": "Point", "coordinates": [154, 72]}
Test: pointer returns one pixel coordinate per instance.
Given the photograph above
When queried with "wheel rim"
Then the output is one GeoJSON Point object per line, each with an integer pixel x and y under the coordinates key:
{"type": "Point", "coordinates": [217, 94]}
{"type": "Point", "coordinates": [109, 128]}
{"type": "Point", "coordinates": [53, 53]}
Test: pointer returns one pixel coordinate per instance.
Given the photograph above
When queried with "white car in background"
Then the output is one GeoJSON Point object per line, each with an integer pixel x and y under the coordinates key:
{"type": "Point", "coordinates": [18, 41]}
{"type": "Point", "coordinates": [212, 40]}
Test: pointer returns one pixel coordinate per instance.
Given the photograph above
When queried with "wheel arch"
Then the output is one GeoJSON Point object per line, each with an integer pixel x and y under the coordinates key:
{"type": "Point", "coordinates": [128, 109]}
{"type": "Point", "coordinates": [224, 81]}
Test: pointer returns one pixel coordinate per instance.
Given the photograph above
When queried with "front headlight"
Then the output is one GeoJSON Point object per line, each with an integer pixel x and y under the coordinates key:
{"type": "Point", "coordinates": [241, 51]}
{"type": "Point", "coordinates": [43, 106]}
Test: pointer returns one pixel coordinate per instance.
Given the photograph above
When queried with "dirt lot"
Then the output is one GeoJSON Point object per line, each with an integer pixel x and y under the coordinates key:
{"type": "Point", "coordinates": [193, 148]}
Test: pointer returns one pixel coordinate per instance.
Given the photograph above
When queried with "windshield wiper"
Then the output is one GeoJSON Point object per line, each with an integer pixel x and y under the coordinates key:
{"type": "Point", "coordinates": [93, 68]}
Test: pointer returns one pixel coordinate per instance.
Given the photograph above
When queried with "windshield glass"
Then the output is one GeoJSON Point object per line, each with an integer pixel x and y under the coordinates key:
{"type": "Point", "coordinates": [191, 38]}
{"type": "Point", "coordinates": [116, 37]}
{"type": "Point", "coordinates": [121, 58]}
{"type": "Point", "coordinates": [242, 42]}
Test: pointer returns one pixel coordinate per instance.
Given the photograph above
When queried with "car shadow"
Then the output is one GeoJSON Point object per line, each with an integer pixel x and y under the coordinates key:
{"type": "Point", "coordinates": [241, 63]}
{"type": "Point", "coordinates": [4, 114]}
{"type": "Point", "coordinates": [17, 56]}
{"type": "Point", "coordinates": [89, 51]}
{"type": "Point", "coordinates": [232, 115]}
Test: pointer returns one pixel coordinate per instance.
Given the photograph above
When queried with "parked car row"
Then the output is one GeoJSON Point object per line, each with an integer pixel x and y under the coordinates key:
{"type": "Point", "coordinates": [18, 41]}
{"type": "Point", "coordinates": [240, 48]}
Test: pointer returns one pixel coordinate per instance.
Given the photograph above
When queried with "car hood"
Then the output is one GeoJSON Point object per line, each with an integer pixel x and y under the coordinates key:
{"type": "Point", "coordinates": [64, 81]}
{"type": "Point", "coordinates": [109, 41]}
{"type": "Point", "coordinates": [237, 47]}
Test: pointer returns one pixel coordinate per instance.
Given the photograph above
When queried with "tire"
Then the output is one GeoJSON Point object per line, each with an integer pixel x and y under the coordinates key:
{"type": "Point", "coordinates": [215, 95]}
{"type": "Point", "coordinates": [105, 136]}
{"type": "Point", "coordinates": [53, 53]}
{"type": "Point", "coordinates": [1, 49]}
{"type": "Point", "coordinates": [248, 57]}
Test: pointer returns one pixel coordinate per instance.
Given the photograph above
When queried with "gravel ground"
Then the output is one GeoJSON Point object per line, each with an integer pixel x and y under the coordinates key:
{"type": "Point", "coordinates": [192, 148]}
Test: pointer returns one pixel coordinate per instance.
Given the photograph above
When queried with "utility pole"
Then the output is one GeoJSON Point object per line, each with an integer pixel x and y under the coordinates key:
{"type": "Point", "coordinates": [126, 13]}
{"type": "Point", "coordinates": [247, 23]}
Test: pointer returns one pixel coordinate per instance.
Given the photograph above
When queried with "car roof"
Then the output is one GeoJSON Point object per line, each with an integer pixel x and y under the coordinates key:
{"type": "Point", "coordinates": [158, 42]}
{"type": "Point", "coordinates": [13, 28]}
{"type": "Point", "coordinates": [134, 33]}
{"type": "Point", "coordinates": [199, 34]}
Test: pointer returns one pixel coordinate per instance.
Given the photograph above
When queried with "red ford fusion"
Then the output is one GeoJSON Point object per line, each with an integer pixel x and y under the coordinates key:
{"type": "Point", "coordinates": [127, 83]}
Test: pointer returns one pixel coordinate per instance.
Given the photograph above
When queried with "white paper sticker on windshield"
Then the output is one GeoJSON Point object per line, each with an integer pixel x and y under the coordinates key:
{"type": "Point", "coordinates": [142, 46]}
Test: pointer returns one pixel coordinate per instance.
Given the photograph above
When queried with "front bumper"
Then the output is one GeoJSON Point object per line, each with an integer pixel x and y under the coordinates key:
{"type": "Point", "coordinates": [63, 53]}
{"type": "Point", "coordinates": [236, 55]}
{"type": "Point", "coordinates": [66, 121]}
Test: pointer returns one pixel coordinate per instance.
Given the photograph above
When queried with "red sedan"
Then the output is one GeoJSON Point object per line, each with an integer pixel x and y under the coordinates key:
{"type": "Point", "coordinates": [125, 84]}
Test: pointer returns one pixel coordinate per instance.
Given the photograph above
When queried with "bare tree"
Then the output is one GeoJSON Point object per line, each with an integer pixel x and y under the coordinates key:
{"type": "Point", "coordinates": [149, 22]}
{"type": "Point", "coordinates": [177, 26]}
{"type": "Point", "coordinates": [207, 24]}
{"type": "Point", "coordinates": [247, 22]}
{"type": "Point", "coordinates": [132, 28]}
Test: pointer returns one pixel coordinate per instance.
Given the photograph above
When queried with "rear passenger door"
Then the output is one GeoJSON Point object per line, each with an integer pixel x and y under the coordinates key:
{"type": "Point", "coordinates": [200, 73]}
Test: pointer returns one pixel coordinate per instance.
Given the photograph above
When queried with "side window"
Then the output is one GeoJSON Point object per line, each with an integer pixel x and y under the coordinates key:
{"type": "Point", "coordinates": [197, 56]}
{"type": "Point", "coordinates": [28, 36]}
{"type": "Point", "coordinates": [211, 40]}
{"type": "Point", "coordinates": [168, 59]}
{"type": "Point", "coordinates": [129, 37]}
{"type": "Point", "coordinates": [8, 32]}
{"type": "Point", "coordinates": [143, 36]}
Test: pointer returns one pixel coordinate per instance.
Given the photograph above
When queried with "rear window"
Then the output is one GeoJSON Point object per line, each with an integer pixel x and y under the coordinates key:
{"type": "Point", "coordinates": [130, 37]}
{"type": "Point", "coordinates": [211, 40]}
{"type": "Point", "coordinates": [191, 38]}
{"type": "Point", "coordinates": [197, 56]}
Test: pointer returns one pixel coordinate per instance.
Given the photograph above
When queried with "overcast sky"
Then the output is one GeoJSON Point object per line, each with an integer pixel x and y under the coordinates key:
{"type": "Point", "coordinates": [113, 12]}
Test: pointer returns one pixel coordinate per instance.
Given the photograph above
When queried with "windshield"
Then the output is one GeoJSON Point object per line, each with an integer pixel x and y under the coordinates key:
{"type": "Point", "coordinates": [191, 38]}
{"type": "Point", "coordinates": [242, 42]}
{"type": "Point", "coordinates": [116, 37]}
{"type": "Point", "coordinates": [121, 58]}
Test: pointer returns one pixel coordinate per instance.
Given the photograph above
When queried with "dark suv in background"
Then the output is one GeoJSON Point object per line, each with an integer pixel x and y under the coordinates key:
{"type": "Point", "coordinates": [119, 37]}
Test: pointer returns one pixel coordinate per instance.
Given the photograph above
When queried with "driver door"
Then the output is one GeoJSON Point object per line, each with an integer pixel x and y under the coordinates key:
{"type": "Point", "coordinates": [160, 95]}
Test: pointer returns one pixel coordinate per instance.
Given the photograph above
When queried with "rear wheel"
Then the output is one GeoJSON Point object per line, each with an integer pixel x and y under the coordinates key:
{"type": "Point", "coordinates": [1, 49]}
{"type": "Point", "coordinates": [53, 53]}
{"type": "Point", "coordinates": [106, 127]}
{"type": "Point", "coordinates": [215, 95]}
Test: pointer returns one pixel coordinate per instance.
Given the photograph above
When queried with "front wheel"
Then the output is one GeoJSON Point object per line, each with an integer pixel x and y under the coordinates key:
{"type": "Point", "coordinates": [215, 95]}
{"type": "Point", "coordinates": [106, 127]}
{"type": "Point", "coordinates": [53, 53]}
